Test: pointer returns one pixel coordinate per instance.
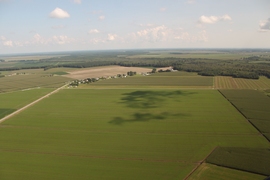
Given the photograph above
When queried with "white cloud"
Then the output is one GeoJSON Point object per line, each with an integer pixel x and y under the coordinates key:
{"type": "Point", "coordinates": [163, 35]}
{"type": "Point", "coordinates": [38, 39]}
{"type": "Point", "coordinates": [101, 18]}
{"type": "Point", "coordinates": [2, 38]}
{"type": "Point", "coordinates": [159, 33]}
{"type": "Point", "coordinates": [265, 25]}
{"type": "Point", "coordinates": [61, 39]}
{"type": "Point", "coordinates": [202, 36]}
{"type": "Point", "coordinates": [77, 1]}
{"type": "Point", "coordinates": [59, 13]}
{"type": "Point", "coordinates": [93, 31]}
{"type": "Point", "coordinates": [96, 41]}
{"type": "Point", "coordinates": [183, 36]}
{"type": "Point", "coordinates": [163, 9]}
{"type": "Point", "coordinates": [225, 17]}
{"type": "Point", "coordinates": [191, 1]}
{"type": "Point", "coordinates": [111, 37]}
{"type": "Point", "coordinates": [8, 43]}
{"type": "Point", "coordinates": [213, 19]}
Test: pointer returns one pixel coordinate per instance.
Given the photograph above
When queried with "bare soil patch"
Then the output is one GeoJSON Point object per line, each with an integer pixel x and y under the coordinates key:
{"type": "Point", "coordinates": [104, 71]}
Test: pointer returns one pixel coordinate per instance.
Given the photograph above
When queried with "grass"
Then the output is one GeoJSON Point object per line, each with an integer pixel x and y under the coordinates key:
{"type": "Point", "coordinates": [20, 82]}
{"type": "Point", "coordinates": [210, 171]}
{"type": "Point", "coordinates": [121, 133]}
{"type": "Point", "coordinates": [245, 159]}
{"type": "Point", "coordinates": [10, 102]}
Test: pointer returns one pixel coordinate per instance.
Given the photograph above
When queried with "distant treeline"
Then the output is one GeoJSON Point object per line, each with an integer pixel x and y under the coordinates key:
{"type": "Point", "coordinates": [205, 67]}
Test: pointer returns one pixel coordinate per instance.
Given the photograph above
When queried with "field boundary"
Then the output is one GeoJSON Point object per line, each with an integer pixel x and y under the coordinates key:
{"type": "Point", "coordinates": [200, 163]}
{"type": "Point", "coordinates": [30, 104]}
{"type": "Point", "coordinates": [244, 116]}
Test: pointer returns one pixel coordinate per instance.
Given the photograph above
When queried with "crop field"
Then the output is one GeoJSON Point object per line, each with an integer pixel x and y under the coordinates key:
{"type": "Point", "coordinates": [177, 79]}
{"type": "Point", "coordinates": [254, 105]}
{"type": "Point", "coordinates": [224, 82]}
{"type": "Point", "coordinates": [21, 82]}
{"type": "Point", "coordinates": [12, 101]}
{"type": "Point", "coordinates": [254, 160]}
{"type": "Point", "coordinates": [210, 171]}
{"type": "Point", "coordinates": [127, 133]}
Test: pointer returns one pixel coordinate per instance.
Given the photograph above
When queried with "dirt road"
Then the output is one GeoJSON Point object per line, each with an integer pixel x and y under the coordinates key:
{"type": "Point", "coordinates": [28, 105]}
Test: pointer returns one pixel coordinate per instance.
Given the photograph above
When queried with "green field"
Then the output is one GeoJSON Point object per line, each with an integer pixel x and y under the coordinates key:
{"type": "Point", "coordinates": [165, 125]}
{"type": "Point", "coordinates": [121, 133]}
{"type": "Point", "coordinates": [10, 102]}
{"type": "Point", "coordinates": [21, 82]}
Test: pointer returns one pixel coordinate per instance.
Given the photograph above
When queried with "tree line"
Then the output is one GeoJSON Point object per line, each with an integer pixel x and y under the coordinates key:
{"type": "Point", "coordinates": [205, 67]}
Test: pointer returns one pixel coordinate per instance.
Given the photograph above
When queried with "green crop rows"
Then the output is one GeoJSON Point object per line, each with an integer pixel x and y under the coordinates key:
{"type": "Point", "coordinates": [254, 105]}
{"type": "Point", "coordinates": [127, 133]}
{"type": "Point", "coordinates": [254, 160]}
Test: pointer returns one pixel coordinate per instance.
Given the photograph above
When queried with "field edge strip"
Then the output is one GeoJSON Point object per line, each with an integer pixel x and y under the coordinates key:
{"type": "Point", "coordinates": [200, 163]}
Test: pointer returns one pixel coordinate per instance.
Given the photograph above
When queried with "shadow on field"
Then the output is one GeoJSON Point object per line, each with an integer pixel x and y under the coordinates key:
{"type": "Point", "coordinates": [144, 117]}
{"type": "Point", "coordinates": [145, 102]}
{"type": "Point", "coordinates": [4, 112]}
{"type": "Point", "coordinates": [150, 99]}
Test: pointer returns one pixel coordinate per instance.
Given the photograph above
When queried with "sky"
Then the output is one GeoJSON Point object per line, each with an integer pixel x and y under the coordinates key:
{"type": "Point", "coordinates": [28, 26]}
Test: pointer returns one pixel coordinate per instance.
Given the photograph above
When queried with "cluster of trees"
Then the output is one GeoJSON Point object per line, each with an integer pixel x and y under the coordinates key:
{"type": "Point", "coordinates": [236, 69]}
{"type": "Point", "coordinates": [131, 73]}
{"type": "Point", "coordinates": [154, 70]}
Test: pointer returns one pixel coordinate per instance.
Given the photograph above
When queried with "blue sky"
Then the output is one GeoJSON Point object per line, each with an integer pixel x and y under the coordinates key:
{"type": "Point", "coordinates": [64, 25]}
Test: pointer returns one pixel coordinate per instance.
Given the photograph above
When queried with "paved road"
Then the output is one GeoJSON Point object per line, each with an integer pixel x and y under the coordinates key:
{"type": "Point", "coordinates": [32, 103]}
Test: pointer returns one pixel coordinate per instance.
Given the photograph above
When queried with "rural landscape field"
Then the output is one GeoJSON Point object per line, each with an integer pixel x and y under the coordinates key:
{"type": "Point", "coordinates": [162, 121]}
